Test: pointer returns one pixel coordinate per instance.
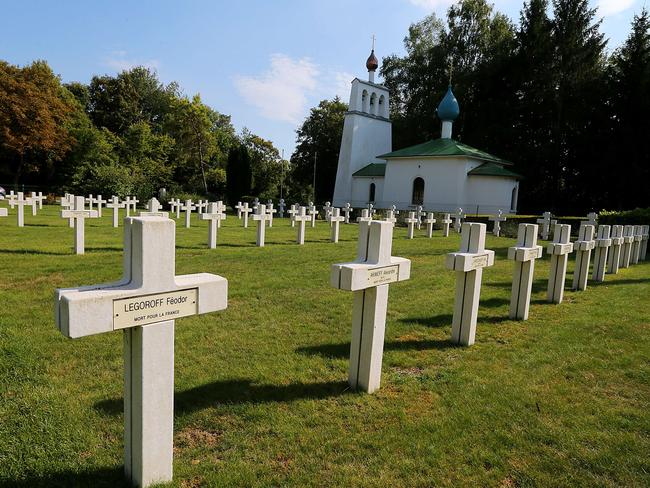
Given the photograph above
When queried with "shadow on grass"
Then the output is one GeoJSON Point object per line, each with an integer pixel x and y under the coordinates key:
{"type": "Point", "coordinates": [33, 251]}
{"type": "Point", "coordinates": [442, 320]}
{"type": "Point", "coordinates": [103, 249]}
{"type": "Point", "coordinates": [627, 281]}
{"type": "Point", "coordinates": [342, 350]}
{"type": "Point", "coordinates": [538, 285]}
{"type": "Point", "coordinates": [235, 392]}
{"type": "Point", "coordinates": [100, 477]}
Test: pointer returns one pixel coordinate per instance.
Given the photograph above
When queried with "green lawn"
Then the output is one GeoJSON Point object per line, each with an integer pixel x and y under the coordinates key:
{"type": "Point", "coordinates": [261, 394]}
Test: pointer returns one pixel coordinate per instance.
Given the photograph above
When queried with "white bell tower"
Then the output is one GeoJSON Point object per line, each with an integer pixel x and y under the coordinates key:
{"type": "Point", "coordinates": [367, 131]}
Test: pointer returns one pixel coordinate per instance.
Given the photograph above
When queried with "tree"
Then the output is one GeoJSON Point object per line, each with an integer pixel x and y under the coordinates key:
{"type": "Point", "coordinates": [238, 174]}
{"type": "Point", "coordinates": [319, 140]}
{"type": "Point", "coordinates": [266, 168]}
{"type": "Point", "coordinates": [34, 110]}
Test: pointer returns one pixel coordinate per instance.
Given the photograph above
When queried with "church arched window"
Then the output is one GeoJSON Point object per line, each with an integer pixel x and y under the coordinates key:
{"type": "Point", "coordinates": [418, 191]}
{"type": "Point", "coordinates": [382, 107]}
{"type": "Point", "coordinates": [371, 193]}
{"type": "Point", "coordinates": [373, 104]}
{"type": "Point", "coordinates": [364, 101]}
{"type": "Point", "coordinates": [513, 199]}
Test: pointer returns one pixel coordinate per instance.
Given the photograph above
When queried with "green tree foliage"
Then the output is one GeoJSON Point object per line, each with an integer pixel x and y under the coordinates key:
{"type": "Point", "coordinates": [266, 167]}
{"type": "Point", "coordinates": [239, 176]}
{"type": "Point", "coordinates": [319, 139]}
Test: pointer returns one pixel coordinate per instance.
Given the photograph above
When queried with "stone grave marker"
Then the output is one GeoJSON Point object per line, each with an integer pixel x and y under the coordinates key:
{"type": "Point", "coordinates": [583, 247]}
{"type": "Point", "coordinates": [430, 221]}
{"type": "Point", "coordinates": [327, 208]}
{"type": "Point", "coordinates": [213, 215]}
{"type": "Point", "coordinates": [100, 203]}
{"type": "Point", "coordinates": [335, 219]}
{"type": "Point", "coordinates": [187, 208]}
{"type": "Point", "coordinates": [411, 222]}
{"type": "Point", "coordinates": [261, 216]}
{"type": "Point", "coordinates": [38, 197]}
{"type": "Point", "coordinates": [67, 203]}
{"type": "Point", "coordinates": [154, 209]}
{"type": "Point", "coordinates": [90, 200]}
{"type": "Point", "coordinates": [458, 219]}
{"type": "Point", "coordinates": [603, 243]}
{"type": "Point", "coordinates": [636, 245]}
{"type": "Point", "coordinates": [524, 255]}
{"type": "Point", "coordinates": [301, 217]}
{"type": "Point", "coordinates": [626, 250]}
{"type": "Point", "coordinates": [497, 219]}
{"type": "Point", "coordinates": [419, 214]}
{"type": "Point", "coordinates": [293, 210]}
{"type": "Point", "coordinates": [3, 212]}
{"type": "Point", "coordinates": [281, 207]}
{"type": "Point", "coordinates": [346, 211]}
{"type": "Point", "coordinates": [221, 210]}
{"type": "Point", "coordinates": [365, 217]}
{"type": "Point", "coordinates": [34, 199]}
{"type": "Point", "coordinates": [592, 219]}
{"type": "Point", "coordinates": [391, 215]}
{"type": "Point", "coordinates": [446, 222]}
{"type": "Point", "coordinates": [20, 201]}
{"type": "Point", "coordinates": [313, 212]}
{"type": "Point", "coordinates": [644, 242]}
{"type": "Point", "coordinates": [144, 305]}
{"type": "Point", "coordinates": [372, 210]}
{"type": "Point", "coordinates": [239, 207]}
{"type": "Point", "coordinates": [544, 225]}
{"type": "Point", "coordinates": [369, 278]}
{"type": "Point", "coordinates": [559, 251]}
{"type": "Point", "coordinates": [614, 255]}
{"type": "Point", "coordinates": [270, 211]}
{"type": "Point", "coordinates": [115, 204]}
{"type": "Point", "coordinates": [256, 202]}
{"type": "Point", "coordinates": [79, 214]}
{"type": "Point", "coordinates": [468, 264]}
{"type": "Point", "coordinates": [245, 210]}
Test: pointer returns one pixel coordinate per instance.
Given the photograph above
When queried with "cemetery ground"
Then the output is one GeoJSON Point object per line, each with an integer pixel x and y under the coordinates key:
{"type": "Point", "coordinates": [261, 396]}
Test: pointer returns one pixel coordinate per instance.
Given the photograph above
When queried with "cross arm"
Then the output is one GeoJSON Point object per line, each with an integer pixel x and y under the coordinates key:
{"type": "Point", "coordinates": [522, 254]}
{"type": "Point", "coordinates": [464, 261]}
{"type": "Point", "coordinates": [359, 276]}
{"type": "Point", "coordinates": [96, 309]}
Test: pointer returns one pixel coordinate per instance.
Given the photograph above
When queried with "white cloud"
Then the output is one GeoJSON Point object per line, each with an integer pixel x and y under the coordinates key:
{"type": "Point", "coordinates": [280, 93]}
{"type": "Point", "coordinates": [119, 61]}
{"type": "Point", "coordinates": [612, 7]}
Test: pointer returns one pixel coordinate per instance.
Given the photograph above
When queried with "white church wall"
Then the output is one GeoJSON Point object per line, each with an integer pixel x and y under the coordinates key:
{"type": "Point", "coordinates": [361, 191]}
{"type": "Point", "coordinates": [489, 194]}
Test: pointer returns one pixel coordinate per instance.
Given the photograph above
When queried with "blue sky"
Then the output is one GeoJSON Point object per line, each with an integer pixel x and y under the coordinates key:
{"type": "Point", "coordinates": [263, 62]}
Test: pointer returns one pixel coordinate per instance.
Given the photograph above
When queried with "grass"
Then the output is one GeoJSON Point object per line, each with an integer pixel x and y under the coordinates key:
{"type": "Point", "coordinates": [260, 389]}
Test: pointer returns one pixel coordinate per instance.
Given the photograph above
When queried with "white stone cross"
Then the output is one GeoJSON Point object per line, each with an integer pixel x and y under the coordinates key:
{"type": "Point", "coordinates": [497, 219]}
{"type": "Point", "coordinates": [446, 222]}
{"type": "Point", "coordinates": [144, 304]}
{"type": "Point", "coordinates": [187, 208]}
{"type": "Point", "coordinates": [346, 210]}
{"type": "Point", "coordinates": [626, 250]}
{"type": "Point", "coordinates": [458, 219]}
{"type": "Point", "coordinates": [100, 203]}
{"type": "Point", "coordinates": [391, 214]}
{"type": "Point", "coordinates": [335, 220]}
{"type": "Point", "coordinates": [592, 219]}
{"type": "Point", "coordinates": [129, 202]}
{"type": "Point", "coordinates": [221, 209]}
{"type": "Point", "coordinates": [301, 218]}
{"type": "Point", "coordinates": [545, 223]}
{"type": "Point", "coordinates": [559, 251]}
{"type": "Point", "coordinates": [79, 215]}
{"type": "Point", "coordinates": [644, 242]}
{"type": "Point", "coordinates": [411, 221]}
{"type": "Point", "coordinates": [67, 203]}
{"type": "Point", "coordinates": [115, 204]}
{"type": "Point", "coordinates": [270, 211]}
{"type": "Point", "coordinates": [172, 205]}
{"type": "Point", "coordinates": [372, 210]}
{"type": "Point", "coordinates": [20, 201]}
{"type": "Point", "coordinates": [369, 277]}
{"type": "Point", "coordinates": [239, 207]}
{"type": "Point", "coordinates": [90, 200]}
{"type": "Point", "coordinates": [603, 243]}
{"type": "Point", "coordinates": [365, 217]}
{"type": "Point", "coordinates": [313, 212]}
{"type": "Point", "coordinates": [327, 208]}
{"type": "Point", "coordinates": [430, 221]}
{"type": "Point", "coordinates": [35, 201]}
{"type": "Point", "coordinates": [3, 212]}
{"type": "Point", "coordinates": [468, 264]}
{"type": "Point", "coordinates": [636, 244]}
{"type": "Point", "coordinates": [199, 207]}
{"type": "Point", "coordinates": [179, 204]}
{"type": "Point", "coordinates": [214, 214]}
{"type": "Point", "coordinates": [614, 255]}
{"type": "Point", "coordinates": [293, 210]}
{"type": "Point", "coordinates": [154, 209]}
{"type": "Point", "coordinates": [39, 199]}
{"type": "Point", "coordinates": [256, 202]}
{"type": "Point", "coordinates": [524, 255]}
{"type": "Point", "coordinates": [583, 247]}
{"type": "Point", "coordinates": [261, 216]}
{"type": "Point", "coordinates": [281, 207]}
{"type": "Point", "coordinates": [419, 213]}
{"type": "Point", "coordinates": [245, 210]}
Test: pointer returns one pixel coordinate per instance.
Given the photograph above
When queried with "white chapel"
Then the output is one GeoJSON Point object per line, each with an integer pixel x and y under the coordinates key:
{"type": "Point", "coordinates": [440, 174]}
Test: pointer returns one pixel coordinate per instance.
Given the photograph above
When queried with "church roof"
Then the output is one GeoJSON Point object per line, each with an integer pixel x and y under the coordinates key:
{"type": "Point", "coordinates": [439, 148]}
{"type": "Point", "coordinates": [492, 169]}
{"type": "Point", "coordinates": [372, 169]}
